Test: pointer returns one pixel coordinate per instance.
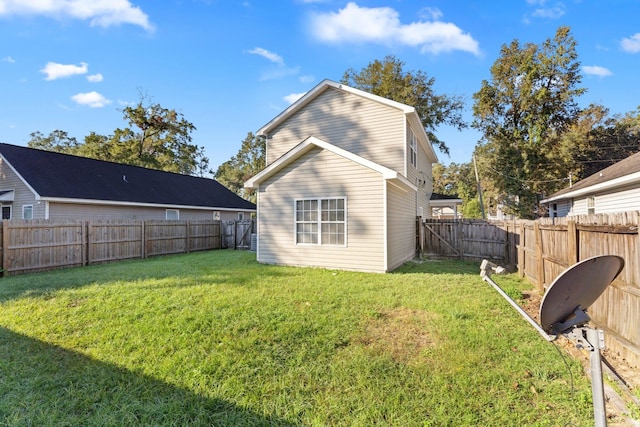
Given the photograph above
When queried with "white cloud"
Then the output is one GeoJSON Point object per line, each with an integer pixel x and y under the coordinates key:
{"type": "Point", "coordinates": [102, 13]}
{"type": "Point", "coordinates": [273, 57]}
{"type": "Point", "coordinates": [54, 71]}
{"type": "Point", "coordinates": [631, 44]}
{"type": "Point", "coordinates": [550, 13]}
{"type": "Point", "coordinates": [293, 97]}
{"type": "Point", "coordinates": [382, 25]}
{"type": "Point", "coordinates": [9, 59]}
{"type": "Point", "coordinates": [95, 78]}
{"type": "Point", "coordinates": [596, 70]}
{"type": "Point", "coordinates": [91, 99]}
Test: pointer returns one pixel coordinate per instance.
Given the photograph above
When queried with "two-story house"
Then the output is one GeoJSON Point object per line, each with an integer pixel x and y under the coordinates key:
{"type": "Point", "coordinates": [347, 174]}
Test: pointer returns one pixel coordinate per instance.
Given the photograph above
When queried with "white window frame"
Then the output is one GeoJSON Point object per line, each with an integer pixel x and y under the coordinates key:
{"type": "Point", "coordinates": [216, 215]}
{"type": "Point", "coordinates": [25, 209]}
{"type": "Point", "coordinates": [413, 148]}
{"type": "Point", "coordinates": [591, 205]}
{"type": "Point", "coordinates": [319, 221]}
{"type": "Point", "coordinates": [172, 212]}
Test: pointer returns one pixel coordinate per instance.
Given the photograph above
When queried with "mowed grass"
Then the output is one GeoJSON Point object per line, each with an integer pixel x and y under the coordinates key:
{"type": "Point", "coordinates": [214, 338]}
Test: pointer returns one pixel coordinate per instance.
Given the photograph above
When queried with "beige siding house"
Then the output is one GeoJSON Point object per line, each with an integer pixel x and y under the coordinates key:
{"type": "Point", "coordinates": [347, 173]}
{"type": "Point", "coordinates": [37, 184]}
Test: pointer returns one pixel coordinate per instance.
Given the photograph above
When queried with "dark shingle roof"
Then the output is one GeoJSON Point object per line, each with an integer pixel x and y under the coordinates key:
{"type": "Point", "coordinates": [65, 176]}
{"type": "Point", "coordinates": [622, 168]}
{"type": "Point", "coordinates": [439, 196]}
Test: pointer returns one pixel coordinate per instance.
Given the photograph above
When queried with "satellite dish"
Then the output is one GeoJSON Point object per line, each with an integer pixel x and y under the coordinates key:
{"type": "Point", "coordinates": [575, 290]}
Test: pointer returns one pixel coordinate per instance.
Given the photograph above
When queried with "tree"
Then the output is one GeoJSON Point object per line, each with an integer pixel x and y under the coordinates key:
{"type": "Point", "coordinates": [160, 139]}
{"type": "Point", "coordinates": [249, 160]}
{"type": "Point", "coordinates": [388, 79]}
{"type": "Point", "coordinates": [528, 104]}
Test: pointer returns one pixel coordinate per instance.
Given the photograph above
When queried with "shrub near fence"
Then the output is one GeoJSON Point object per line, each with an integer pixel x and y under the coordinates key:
{"type": "Point", "coordinates": [543, 249]}
{"type": "Point", "coordinates": [38, 245]}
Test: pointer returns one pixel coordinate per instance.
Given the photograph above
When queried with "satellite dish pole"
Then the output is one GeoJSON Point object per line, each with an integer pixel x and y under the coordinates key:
{"type": "Point", "coordinates": [563, 311]}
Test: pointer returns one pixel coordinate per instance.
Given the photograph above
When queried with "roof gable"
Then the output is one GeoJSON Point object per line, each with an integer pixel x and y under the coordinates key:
{"type": "Point", "coordinates": [62, 176]}
{"type": "Point", "coordinates": [311, 142]}
{"type": "Point", "coordinates": [409, 112]}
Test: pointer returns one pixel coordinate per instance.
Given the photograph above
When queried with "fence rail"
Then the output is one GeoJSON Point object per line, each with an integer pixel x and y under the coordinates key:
{"type": "Point", "coordinates": [542, 249]}
{"type": "Point", "coordinates": [39, 245]}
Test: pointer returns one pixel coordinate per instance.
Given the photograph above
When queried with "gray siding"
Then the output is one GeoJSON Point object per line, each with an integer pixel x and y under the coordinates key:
{"type": "Point", "coordinates": [320, 173]}
{"type": "Point", "coordinates": [23, 195]}
{"type": "Point", "coordinates": [86, 211]}
{"type": "Point", "coordinates": [401, 232]}
{"type": "Point", "coordinates": [422, 176]}
{"type": "Point", "coordinates": [364, 127]}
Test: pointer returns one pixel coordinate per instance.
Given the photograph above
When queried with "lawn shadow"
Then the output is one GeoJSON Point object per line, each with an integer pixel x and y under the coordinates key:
{"type": "Point", "coordinates": [43, 384]}
{"type": "Point", "coordinates": [439, 266]}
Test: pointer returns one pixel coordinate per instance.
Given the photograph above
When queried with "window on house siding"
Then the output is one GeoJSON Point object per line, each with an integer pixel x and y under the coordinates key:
{"type": "Point", "coordinates": [413, 148]}
{"type": "Point", "coordinates": [172, 214]}
{"type": "Point", "coordinates": [591, 205]}
{"type": "Point", "coordinates": [27, 212]}
{"type": "Point", "coordinates": [240, 216]}
{"type": "Point", "coordinates": [321, 221]}
{"type": "Point", "coordinates": [6, 212]}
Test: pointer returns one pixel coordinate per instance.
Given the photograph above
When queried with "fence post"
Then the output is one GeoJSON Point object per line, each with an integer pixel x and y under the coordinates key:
{"type": "Point", "coordinates": [521, 250]}
{"type": "Point", "coordinates": [572, 244]}
{"type": "Point", "coordinates": [5, 246]}
{"type": "Point", "coordinates": [86, 242]}
{"type": "Point", "coordinates": [458, 227]}
{"type": "Point", "coordinates": [188, 233]}
{"type": "Point", "coordinates": [539, 256]}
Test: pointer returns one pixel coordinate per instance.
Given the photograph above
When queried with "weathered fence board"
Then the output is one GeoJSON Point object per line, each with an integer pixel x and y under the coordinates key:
{"type": "Point", "coordinates": [37, 245]}
{"type": "Point", "coordinates": [543, 249]}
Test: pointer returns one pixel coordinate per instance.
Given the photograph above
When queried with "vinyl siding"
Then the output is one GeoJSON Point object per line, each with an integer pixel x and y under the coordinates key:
{"type": "Point", "coordinates": [401, 232]}
{"type": "Point", "coordinates": [319, 174]}
{"type": "Point", "coordinates": [22, 194]}
{"type": "Point", "coordinates": [362, 126]}
{"type": "Point", "coordinates": [623, 200]}
{"type": "Point", "coordinates": [87, 211]}
{"type": "Point", "coordinates": [414, 176]}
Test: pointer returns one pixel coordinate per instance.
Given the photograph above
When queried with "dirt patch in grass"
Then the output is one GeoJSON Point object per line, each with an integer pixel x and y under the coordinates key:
{"type": "Point", "coordinates": [401, 333]}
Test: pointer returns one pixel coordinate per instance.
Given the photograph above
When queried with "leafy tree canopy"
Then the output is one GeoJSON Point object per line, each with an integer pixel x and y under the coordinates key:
{"type": "Point", "coordinates": [387, 78]}
{"type": "Point", "coordinates": [249, 160]}
{"type": "Point", "coordinates": [157, 138]}
{"type": "Point", "coordinates": [527, 105]}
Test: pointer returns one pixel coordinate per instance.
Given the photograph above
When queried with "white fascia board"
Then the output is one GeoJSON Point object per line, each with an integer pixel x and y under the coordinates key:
{"type": "Point", "coordinates": [6, 162]}
{"type": "Point", "coordinates": [596, 188]}
{"type": "Point", "coordinates": [445, 202]}
{"type": "Point", "coordinates": [416, 124]}
{"type": "Point", "coordinates": [138, 204]}
{"type": "Point", "coordinates": [311, 142]}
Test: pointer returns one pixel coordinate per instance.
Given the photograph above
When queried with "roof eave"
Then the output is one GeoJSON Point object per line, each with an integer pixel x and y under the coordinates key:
{"type": "Point", "coordinates": [607, 185]}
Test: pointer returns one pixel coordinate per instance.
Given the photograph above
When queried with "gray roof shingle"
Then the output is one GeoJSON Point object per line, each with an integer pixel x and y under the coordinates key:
{"type": "Point", "coordinates": [56, 175]}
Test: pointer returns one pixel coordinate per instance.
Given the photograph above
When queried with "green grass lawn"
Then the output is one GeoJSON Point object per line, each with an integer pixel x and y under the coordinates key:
{"type": "Point", "coordinates": [214, 338]}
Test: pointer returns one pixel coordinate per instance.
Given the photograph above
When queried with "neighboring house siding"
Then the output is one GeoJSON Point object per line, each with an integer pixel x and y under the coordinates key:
{"type": "Point", "coordinates": [401, 227]}
{"type": "Point", "coordinates": [364, 127]}
{"type": "Point", "coordinates": [622, 200]}
{"type": "Point", "coordinates": [320, 173]}
{"type": "Point", "coordinates": [22, 194]}
{"type": "Point", "coordinates": [102, 212]}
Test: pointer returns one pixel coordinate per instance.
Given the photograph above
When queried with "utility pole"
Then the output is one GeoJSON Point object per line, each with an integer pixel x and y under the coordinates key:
{"type": "Point", "coordinates": [475, 166]}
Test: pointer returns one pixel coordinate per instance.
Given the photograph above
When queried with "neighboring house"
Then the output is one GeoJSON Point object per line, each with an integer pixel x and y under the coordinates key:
{"type": "Point", "coordinates": [347, 174]}
{"type": "Point", "coordinates": [444, 206]}
{"type": "Point", "coordinates": [37, 184]}
{"type": "Point", "coordinates": [614, 189]}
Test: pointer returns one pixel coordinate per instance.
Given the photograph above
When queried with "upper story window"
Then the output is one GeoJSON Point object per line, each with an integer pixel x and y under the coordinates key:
{"type": "Point", "coordinates": [321, 221]}
{"type": "Point", "coordinates": [413, 148]}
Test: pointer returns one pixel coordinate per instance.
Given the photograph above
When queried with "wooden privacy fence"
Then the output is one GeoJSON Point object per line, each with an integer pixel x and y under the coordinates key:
{"type": "Point", "coordinates": [38, 245]}
{"type": "Point", "coordinates": [543, 249]}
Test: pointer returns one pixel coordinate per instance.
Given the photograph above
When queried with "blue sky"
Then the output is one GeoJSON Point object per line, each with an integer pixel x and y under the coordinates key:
{"type": "Point", "coordinates": [231, 66]}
